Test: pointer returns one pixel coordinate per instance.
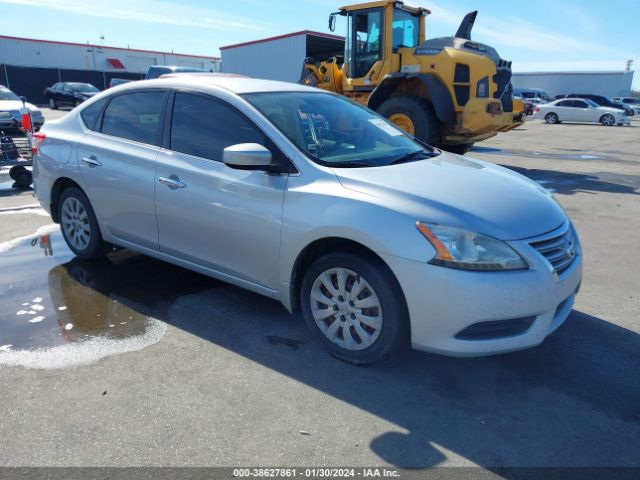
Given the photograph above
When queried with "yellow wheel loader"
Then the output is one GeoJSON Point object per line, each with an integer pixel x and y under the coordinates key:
{"type": "Point", "coordinates": [449, 91]}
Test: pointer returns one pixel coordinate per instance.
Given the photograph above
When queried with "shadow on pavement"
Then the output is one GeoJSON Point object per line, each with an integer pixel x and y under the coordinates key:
{"type": "Point", "coordinates": [570, 183]}
{"type": "Point", "coordinates": [573, 401]}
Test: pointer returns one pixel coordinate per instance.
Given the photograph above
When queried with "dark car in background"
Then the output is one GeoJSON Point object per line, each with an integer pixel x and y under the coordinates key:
{"type": "Point", "coordinates": [156, 70]}
{"type": "Point", "coordinates": [603, 102]}
{"type": "Point", "coordinates": [69, 94]}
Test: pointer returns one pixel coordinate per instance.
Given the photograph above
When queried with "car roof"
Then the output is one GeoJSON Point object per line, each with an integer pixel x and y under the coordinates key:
{"type": "Point", "coordinates": [238, 85]}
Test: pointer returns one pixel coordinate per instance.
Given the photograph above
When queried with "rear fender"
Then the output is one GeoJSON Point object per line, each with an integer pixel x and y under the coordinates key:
{"type": "Point", "coordinates": [432, 88]}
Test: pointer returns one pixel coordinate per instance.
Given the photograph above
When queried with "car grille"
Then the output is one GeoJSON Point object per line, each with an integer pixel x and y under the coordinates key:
{"type": "Point", "coordinates": [560, 251]}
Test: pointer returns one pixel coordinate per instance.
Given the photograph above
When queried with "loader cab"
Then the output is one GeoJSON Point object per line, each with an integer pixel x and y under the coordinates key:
{"type": "Point", "coordinates": [375, 33]}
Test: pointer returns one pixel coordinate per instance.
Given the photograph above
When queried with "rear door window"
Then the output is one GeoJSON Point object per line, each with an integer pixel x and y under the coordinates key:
{"type": "Point", "coordinates": [91, 113]}
{"type": "Point", "coordinates": [134, 116]}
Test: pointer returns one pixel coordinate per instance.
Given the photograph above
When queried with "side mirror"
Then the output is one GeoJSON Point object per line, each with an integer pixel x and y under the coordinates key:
{"type": "Point", "coordinates": [247, 156]}
{"type": "Point", "coordinates": [332, 22]}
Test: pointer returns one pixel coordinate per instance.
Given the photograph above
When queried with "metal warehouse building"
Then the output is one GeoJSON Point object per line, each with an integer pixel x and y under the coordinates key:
{"type": "Point", "coordinates": [611, 84]}
{"type": "Point", "coordinates": [28, 66]}
{"type": "Point", "coordinates": [282, 57]}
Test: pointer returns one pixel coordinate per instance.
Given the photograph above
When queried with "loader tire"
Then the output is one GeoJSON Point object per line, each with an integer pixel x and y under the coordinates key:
{"type": "Point", "coordinates": [417, 114]}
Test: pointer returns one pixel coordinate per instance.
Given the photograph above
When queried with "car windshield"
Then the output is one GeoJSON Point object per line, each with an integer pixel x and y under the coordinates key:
{"type": "Point", "coordinates": [6, 94]}
{"type": "Point", "coordinates": [336, 132]}
{"type": "Point", "coordinates": [83, 87]}
{"type": "Point", "coordinates": [591, 103]}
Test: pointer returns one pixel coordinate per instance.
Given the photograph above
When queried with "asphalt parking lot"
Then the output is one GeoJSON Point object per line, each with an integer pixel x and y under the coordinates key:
{"type": "Point", "coordinates": [190, 371]}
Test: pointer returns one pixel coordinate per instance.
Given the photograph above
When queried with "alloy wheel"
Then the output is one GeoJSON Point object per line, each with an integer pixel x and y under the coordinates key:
{"type": "Point", "coordinates": [75, 223]}
{"type": "Point", "coordinates": [346, 309]}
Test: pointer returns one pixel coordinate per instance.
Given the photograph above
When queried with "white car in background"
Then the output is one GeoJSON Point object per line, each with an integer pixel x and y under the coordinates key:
{"type": "Point", "coordinates": [580, 110]}
{"type": "Point", "coordinates": [10, 105]}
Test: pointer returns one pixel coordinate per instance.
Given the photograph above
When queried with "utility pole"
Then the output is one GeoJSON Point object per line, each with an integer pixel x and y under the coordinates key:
{"type": "Point", "coordinates": [629, 64]}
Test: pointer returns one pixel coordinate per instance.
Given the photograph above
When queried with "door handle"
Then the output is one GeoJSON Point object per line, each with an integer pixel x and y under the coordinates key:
{"type": "Point", "coordinates": [172, 182]}
{"type": "Point", "coordinates": [92, 160]}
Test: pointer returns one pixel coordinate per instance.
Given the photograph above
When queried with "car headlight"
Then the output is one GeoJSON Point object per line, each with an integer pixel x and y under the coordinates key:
{"type": "Point", "coordinates": [465, 250]}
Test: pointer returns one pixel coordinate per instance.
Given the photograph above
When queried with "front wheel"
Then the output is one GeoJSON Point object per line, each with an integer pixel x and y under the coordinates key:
{"type": "Point", "coordinates": [608, 120]}
{"type": "Point", "coordinates": [52, 104]}
{"type": "Point", "coordinates": [79, 225]}
{"type": "Point", "coordinates": [355, 306]}
{"type": "Point", "coordinates": [551, 118]}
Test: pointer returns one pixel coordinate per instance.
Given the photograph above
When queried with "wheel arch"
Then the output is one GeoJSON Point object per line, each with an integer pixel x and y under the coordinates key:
{"type": "Point", "coordinates": [321, 246]}
{"type": "Point", "coordinates": [59, 186]}
{"type": "Point", "coordinates": [422, 85]}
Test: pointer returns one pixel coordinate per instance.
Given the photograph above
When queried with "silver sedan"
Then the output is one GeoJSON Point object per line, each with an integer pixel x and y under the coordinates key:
{"type": "Point", "coordinates": [312, 200]}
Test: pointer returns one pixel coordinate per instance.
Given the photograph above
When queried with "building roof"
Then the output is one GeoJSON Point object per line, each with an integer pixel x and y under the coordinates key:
{"type": "Point", "coordinates": [280, 37]}
{"type": "Point", "coordinates": [55, 42]}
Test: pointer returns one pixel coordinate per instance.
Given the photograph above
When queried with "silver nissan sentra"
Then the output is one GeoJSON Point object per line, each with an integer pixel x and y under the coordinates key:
{"type": "Point", "coordinates": [310, 199]}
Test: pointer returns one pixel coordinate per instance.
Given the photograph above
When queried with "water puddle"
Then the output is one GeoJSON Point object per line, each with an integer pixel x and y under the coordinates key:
{"type": "Point", "coordinates": [57, 310]}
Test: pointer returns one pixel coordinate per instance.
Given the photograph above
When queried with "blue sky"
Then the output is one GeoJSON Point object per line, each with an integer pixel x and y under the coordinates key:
{"type": "Point", "coordinates": [540, 35]}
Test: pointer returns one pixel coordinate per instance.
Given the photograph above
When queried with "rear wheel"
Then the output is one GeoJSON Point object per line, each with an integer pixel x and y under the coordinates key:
{"type": "Point", "coordinates": [354, 305]}
{"type": "Point", "coordinates": [551, 118]}
{"type": "Point", "coordinates": [415, 116]}
{"type": "Point", "coordinates": [79, 225]}
{"type": "Point", "coordinates": [608, 120]}
{"type": "Point", "coordinates": [52, 104]}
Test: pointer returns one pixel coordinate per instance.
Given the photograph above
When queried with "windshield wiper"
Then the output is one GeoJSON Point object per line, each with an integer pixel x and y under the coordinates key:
{"type": "Point", "coordinates": [409, 157]}
{"type": "Point", "coordinates": [351, 163]}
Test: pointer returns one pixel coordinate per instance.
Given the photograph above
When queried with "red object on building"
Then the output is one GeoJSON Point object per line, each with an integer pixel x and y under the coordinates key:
{"type": "Point", "coordinates": [115, 63]}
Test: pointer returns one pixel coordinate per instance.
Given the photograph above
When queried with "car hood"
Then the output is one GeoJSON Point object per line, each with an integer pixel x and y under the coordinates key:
{"type": "Point", "coordinates": [6, 105]}
{"type": "Point", "coordinates": [462, 192]}
{"type": "Point", "coordinates": [612, 109]}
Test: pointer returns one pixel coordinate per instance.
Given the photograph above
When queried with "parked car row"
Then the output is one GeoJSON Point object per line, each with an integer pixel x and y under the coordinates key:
{"type": "Point", "coordinates": [580, 110]}
{"type": "Point", "coordinates": [601, 100]}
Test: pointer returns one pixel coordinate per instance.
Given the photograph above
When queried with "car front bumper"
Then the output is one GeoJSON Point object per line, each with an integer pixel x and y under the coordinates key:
{"type": "Point", "coordinates": [444, 302]}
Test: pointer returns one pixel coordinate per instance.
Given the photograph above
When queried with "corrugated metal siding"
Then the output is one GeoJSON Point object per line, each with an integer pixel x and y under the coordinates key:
{"type": "Point", "coordinates": [611, 84]}
{"type": "Point", "coordinates": [280, 59]}
{"type": "Point", "coordinates": [80, 57]}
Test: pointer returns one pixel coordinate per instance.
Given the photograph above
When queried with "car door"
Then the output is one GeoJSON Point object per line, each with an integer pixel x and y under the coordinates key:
{"type": "Point", "coordinates": [564, 110]}
{"type": "Point", "coordinates": [211, 214]}
{"type": "Point", "coordinates": [582, 111]}
{"type": "Point", "coordinates": [65, 95]}
{"type": "Point", "coordinates": [117, 164]}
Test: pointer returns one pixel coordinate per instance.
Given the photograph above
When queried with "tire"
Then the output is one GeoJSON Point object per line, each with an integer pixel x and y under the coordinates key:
{"type": "Point", "coordinates": [76, 215]}
{"type": "Point", "coordinates": [386, 325]}
{"type": "Point", "coordinates": [608, 120]}
{"type": "Point", "coordinates": [551, 118]}
{"type": "Point", "coordinates": [421, 113]}
{"type": "Point", "coordinates": [53, 104]}
{"type": "Point", "coordinates": [21, 176]}
{"type": "Point", "coordinates": [460, 149]}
